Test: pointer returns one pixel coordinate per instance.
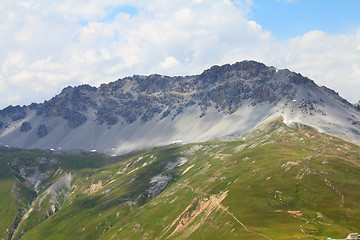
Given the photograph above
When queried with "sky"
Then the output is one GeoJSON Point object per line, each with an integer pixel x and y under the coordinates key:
{"type": "Point", "coordinates": [46, 46]}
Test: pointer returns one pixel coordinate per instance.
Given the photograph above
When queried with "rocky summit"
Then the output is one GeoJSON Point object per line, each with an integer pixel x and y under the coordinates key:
{"type": "Point", "coordinates": [141, 111]}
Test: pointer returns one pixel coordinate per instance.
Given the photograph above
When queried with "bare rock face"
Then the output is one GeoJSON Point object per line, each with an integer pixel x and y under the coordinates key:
{"type": "Point", "coordinates": [34, 172]}
{"type": "Point", "coordinates": [70, 104]}
{"type": "Point", "coordinates": [25, 127]}
{"type": "Point", "coordinates": [42, 131]}
{"type": "Point", "coordinates": [14, 113]}
{"type": "Point", "coordinates": [75, 118]}
{"type": "Point", "coordinates": [141, 97]}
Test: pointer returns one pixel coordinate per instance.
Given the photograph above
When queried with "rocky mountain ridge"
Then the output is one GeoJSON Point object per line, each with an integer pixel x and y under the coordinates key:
{"type": "Point", "coordinates": [114, 117]}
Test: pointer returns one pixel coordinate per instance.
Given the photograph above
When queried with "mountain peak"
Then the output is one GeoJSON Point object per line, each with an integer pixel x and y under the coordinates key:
{"type": "Point", "coordinates": [246, 70]}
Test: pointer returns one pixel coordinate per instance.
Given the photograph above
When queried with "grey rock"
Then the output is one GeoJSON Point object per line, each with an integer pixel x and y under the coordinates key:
{"type": "Point", "coordinates": [42, 131]}
{"type": "Point", "coordinates": [25, 127]}
{"type": "Point", "coordinates": [14, 112]}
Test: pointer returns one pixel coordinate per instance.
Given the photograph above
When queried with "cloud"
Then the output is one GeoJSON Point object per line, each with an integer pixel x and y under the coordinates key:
{"type": "Point", "coordinates": [2, 85]}
{"type": "Point", "coordinates": [327, 58]}
{"type": "Point", "coordinates": [21, 78]}
{"type": "Point", "coordinates": [13, 63]}
{"type": "Point", "coordinates": [169, 62]}
{"type": "Point", "coordinates": [47, 45]}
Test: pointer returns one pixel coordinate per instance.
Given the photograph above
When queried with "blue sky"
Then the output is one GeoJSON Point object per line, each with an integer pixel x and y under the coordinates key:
{"type": "Point", "coordinates": [287, 19]}
{"type": "Point", "coordinates": [48, 45]}
{"type": "Point", "coordinates": [112, 12]}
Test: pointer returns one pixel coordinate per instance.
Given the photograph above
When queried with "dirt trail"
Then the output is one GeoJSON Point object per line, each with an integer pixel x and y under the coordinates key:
{"type": "Point", "coordinates": [199, 206]}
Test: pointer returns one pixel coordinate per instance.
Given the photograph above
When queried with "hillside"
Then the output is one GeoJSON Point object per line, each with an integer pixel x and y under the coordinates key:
{"type": "Point", "coordinates": [278, 182]}
{"type": "Point", "coordinates": [141, 111]}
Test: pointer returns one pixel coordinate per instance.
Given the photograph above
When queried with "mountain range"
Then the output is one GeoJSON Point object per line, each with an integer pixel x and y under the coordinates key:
{"type": "Point", "coordinates": [223, 102]}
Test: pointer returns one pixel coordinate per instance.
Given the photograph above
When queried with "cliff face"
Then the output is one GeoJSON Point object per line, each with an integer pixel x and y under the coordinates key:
{"type": "Point", "coordinates": [158, 107]}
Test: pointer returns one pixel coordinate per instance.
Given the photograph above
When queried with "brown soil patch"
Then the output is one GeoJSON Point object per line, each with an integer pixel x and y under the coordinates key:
{"type": "Point", "coordinates": [94, 188]}
{"type": "Point", "coordinates": [289, 164]}
{"type": "Point", "coordinates": [297, 213]}
{"type": "Point", "coordinates": [204, 206]}
{"type": "Point", "coordinates": [212, 179]}
{"type": "Point", "coordinates": [221, 156]}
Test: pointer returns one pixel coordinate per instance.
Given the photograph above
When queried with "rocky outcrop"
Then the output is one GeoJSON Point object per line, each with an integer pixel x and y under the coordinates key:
{"type": "Point", "coordinates": [33, 172]}
{"type": "Point", "coordinates": [25, 127]}
{"type": "Point", "coordinates": [70, 104]}
{"type": "Point", "coordinates": [14, 113]}
{"type": "Point", "coordinates": [59, 191]}
{"type": "Point", "coordinates": [42, 131]}
{"type": "Point", "coordinates": [75, 118]}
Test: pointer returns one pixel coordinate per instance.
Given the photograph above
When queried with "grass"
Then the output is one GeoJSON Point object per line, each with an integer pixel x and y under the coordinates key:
{"type": "Point", "coordinates": [281, 183]}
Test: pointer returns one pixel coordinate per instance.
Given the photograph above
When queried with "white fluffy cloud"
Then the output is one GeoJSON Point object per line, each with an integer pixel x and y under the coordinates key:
{"type": "Point", "coordinates": [47, 45]}
{"type": "Point", "coordinates": [330, 60]}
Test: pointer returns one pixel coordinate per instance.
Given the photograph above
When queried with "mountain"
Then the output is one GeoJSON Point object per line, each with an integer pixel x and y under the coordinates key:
{"type": "Point", "coordinates": [141, 111]}
{"type": "Point", "coordinates": [278, 182]}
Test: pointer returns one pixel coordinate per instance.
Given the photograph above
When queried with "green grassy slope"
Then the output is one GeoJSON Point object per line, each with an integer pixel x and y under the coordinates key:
{"type": "Point", "coordinates": [278, 183]}
{"type": "Point", "coordinates": [16, 196]}
{"type": "Point", "coordinates": [283, 185]}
